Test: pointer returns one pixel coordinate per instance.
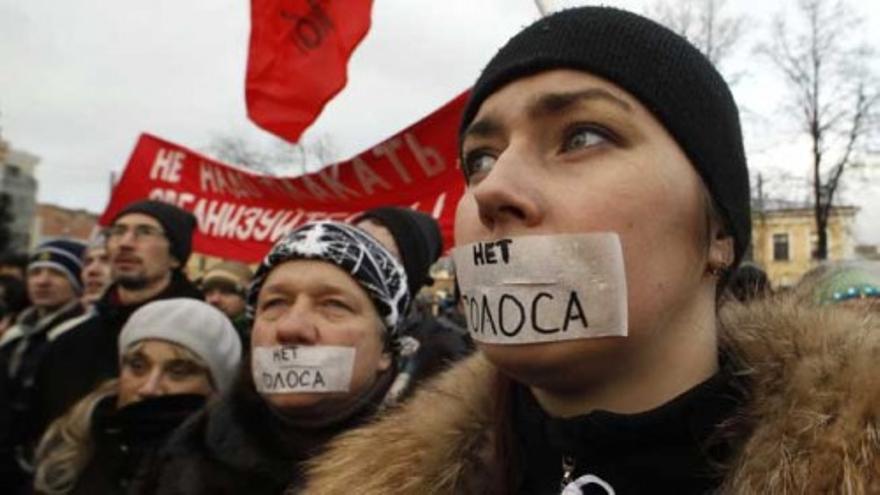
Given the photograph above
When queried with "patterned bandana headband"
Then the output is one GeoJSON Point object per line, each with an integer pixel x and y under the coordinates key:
{"type": "Point", "coordinates": [349, 248]}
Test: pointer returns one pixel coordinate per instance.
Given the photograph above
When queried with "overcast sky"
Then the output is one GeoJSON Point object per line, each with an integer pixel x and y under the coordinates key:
{"type": "Point", "coordinates": [80, 80]}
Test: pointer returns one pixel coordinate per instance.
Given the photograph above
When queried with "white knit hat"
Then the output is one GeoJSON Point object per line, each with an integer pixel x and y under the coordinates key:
{"type": "Point", "coordinates": [191, 323]}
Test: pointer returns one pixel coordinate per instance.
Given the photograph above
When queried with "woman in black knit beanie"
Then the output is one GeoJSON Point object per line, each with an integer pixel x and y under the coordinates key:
{"type": "Point", "coordinates": [604, 166]}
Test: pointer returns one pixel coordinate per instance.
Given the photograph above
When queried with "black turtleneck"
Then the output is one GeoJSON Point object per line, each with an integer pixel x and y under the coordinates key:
{"type": "Point", "coordinates": [670, 449]}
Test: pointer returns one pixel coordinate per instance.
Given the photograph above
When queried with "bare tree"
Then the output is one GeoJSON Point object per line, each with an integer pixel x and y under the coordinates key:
{"type": "Point", "coordinates": [236, 150]}
{"type": "Point", "coordinates": [832, 93]}
{"type": "Point", "coordinates": [278, 157]}
{"type": "Point", "coordinates": [705, 24]}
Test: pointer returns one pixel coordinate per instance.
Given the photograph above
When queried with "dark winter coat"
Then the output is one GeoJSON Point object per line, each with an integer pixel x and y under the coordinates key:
{"type": "Point", "coordinates": [809, 421]}
{"type": "Point", "coordinates": [239, 445]}
{"type": "Point", "coordinates": [430, 345]}
{"type": "Point", "coordinates": [22, 349]}
{"type": "Point", "coordinates": [88, 354]}
{"type": "Point", "coordinates": [126, 441]}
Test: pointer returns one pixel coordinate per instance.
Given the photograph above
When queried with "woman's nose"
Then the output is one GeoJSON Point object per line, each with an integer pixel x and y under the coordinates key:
{"type": "Point", "coordinates": [153, 386]}
{"type": "Point", "coordinates": [508, 195]}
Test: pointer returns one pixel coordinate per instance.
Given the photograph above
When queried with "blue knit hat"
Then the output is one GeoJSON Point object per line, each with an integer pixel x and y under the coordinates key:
{"type": "Point", "coordinates": [63, 255]}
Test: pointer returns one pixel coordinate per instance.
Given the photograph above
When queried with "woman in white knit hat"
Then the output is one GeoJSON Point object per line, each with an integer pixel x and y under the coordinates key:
{"type": "Point", "coordinates": [174, 354]}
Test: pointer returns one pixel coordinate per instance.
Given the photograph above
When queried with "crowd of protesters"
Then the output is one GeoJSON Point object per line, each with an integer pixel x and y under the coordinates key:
{"type": "Point", "coordinates": [119, 374]}
{"type": "Point", "coordinates": [116, 348]}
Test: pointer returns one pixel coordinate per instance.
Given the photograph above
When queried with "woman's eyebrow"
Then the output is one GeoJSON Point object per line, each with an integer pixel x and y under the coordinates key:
{"type": "Point", "coordinates": [549, 104]}
{"type": "Point", "coordinates": [183, 362]}
{"type": "Point", "coordinates": [546, 105]}
{"type": "Point", "coordinates": [133, 356]}
{"type": "Point", "coordinates": [483, 128]}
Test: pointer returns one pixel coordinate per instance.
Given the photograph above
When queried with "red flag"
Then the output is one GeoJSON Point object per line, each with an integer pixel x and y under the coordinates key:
{"type": "Point", "coordinates": [299, 50]}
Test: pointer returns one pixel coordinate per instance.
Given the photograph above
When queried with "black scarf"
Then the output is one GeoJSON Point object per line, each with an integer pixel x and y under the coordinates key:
{"type": "Point", "coordinates": [144, 422]}
{"type": "Point", "coordinates": [127, 440]}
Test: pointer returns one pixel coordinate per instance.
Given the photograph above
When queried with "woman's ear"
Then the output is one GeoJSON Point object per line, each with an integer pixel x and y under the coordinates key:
{"type": "Point", "coordinates": [721, 252]}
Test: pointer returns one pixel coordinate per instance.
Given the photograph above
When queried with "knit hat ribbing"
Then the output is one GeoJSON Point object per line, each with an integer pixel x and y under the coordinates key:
{"type": "Point", "coordinates": [418, 239]}
{"type": "Point", "coordinates": [670, 77]}
{"type": "Point", "coordinates": [63, 255]}
{"type": "Point", "coordinates": [190, 323]}
{"type": "Point", "coordinates": [177, 223]}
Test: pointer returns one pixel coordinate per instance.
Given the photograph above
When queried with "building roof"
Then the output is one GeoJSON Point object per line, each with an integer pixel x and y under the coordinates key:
{"type": "Point", "coordinates": [798, 208]}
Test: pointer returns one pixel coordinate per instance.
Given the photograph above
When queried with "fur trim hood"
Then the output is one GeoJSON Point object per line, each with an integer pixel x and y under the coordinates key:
{"type": "Point", "coordinates": [810, 423]}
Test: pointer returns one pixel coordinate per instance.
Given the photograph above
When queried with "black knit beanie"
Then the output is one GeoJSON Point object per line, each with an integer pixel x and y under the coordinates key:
{"type": "Point", "coordinates": [668, 75]}
{"type": "Point", "coordinates": [418, 239]}
{"type": "Point", "coordinates": [177, 223]}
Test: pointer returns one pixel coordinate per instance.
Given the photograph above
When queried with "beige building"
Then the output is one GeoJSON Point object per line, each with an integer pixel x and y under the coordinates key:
{"type": "Point", "coordinates": [784, 241]}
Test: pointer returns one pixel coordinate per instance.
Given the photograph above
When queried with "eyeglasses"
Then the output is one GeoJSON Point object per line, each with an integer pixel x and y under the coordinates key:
{"type": "Point", "coordinates": [139, 231]}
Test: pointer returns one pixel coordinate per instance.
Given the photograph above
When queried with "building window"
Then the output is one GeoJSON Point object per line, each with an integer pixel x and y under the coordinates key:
{"type": "Point", "coordinates": [780, 247]}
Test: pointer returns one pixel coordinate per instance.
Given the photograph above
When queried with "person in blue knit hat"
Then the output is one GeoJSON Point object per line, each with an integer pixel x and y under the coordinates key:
{"type": "Point", "coordinates": [54, 287]}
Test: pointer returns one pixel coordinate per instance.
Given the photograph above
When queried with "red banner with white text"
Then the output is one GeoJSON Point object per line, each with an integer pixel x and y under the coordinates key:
{"type": "Point", "coordinates": [241, 214]}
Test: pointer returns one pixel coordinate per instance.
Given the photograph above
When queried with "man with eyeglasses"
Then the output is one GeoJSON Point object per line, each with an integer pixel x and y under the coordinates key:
{"type": "Point", "coordinates": [148, 244]}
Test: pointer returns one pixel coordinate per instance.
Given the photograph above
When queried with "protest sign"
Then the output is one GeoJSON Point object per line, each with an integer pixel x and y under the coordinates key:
{"type": "Point", "coordinates": [302, 369]}
{"type": "Point", "coordinates": [533, 289]}
{"type": "Point", "coordinates": [241, 214]}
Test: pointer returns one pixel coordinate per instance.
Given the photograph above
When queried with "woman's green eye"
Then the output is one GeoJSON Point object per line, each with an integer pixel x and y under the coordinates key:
{"type": "Point", "coordinates": [478, 163]}
{"type": "Point", "coordinates": [583, 137]}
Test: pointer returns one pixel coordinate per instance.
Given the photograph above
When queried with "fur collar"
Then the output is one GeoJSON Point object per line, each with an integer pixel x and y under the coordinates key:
{"type": "Point", "coordinates": [814, 405]}
{"type": "Point", "coordinates": [810, 424]}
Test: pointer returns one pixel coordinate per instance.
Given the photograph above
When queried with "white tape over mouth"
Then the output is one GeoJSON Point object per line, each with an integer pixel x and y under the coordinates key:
{"type": "Point", "coordinates": [547, 288]}
{"type": "Point", "coordinates": [302, 369]}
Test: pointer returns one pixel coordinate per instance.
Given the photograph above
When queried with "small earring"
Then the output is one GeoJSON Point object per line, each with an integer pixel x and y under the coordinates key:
{"type": "Point", "coordinates": [716, 270]}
